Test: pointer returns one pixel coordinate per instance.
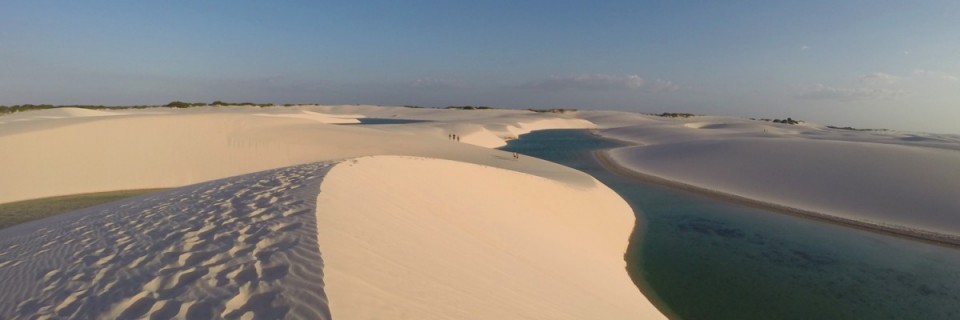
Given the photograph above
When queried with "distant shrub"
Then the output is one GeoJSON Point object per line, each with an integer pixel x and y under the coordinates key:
{"type": "Point", "coordinates": [554, 110]}
{"type": "Point", "coordinates": [178, 104]}
{"type": "Point", "coordinates": [27, 107]}
{"type": "Point", "coordinates": [174, 104]}
{"type": "Point", "coordinates": [470, 107]}
{"type": "Point", "coordinates": [675, 115]}
{"type": "Point", "coordinates": [855, 129]}
{"type": "Point", "coordinates": [783, 121]}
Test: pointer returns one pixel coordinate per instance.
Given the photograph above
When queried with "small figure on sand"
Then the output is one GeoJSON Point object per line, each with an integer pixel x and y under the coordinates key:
{"type": "Point", "coordinates": [516, 156]}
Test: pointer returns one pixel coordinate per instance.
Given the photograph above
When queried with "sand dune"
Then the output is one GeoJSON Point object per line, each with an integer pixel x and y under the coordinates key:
{"type": "Point", "coordinates": [238, 247]}
{"type": "Point", "coordinates": [902, 179]}
{"type": "Point", "coordinates": [315, 116]}
{"type": "Point", "coordinates": [477, 235]}
{"type": "Point", "coordinates": [58, 113]}
{"type": "Point", "coordinates": [147, 150]}
{"type": "Point", "coordinates": [443, 240]}
{"type": "Point", "coordinates": [450, 240]}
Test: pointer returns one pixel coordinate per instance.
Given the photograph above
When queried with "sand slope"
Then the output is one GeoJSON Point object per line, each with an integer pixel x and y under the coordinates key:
{"type": "Point", "coordinates": [451, 240]}
{"type": "Point", "coordinates": [400, 238]}
{"type": "Point", "coordinates": [238, 247]}
{"type": "Point", "coordinates": [478, 235]}
{"type": "Point", "coordinates": [140, 150]}
{"type": "Point", "coordinates": [885, 177]}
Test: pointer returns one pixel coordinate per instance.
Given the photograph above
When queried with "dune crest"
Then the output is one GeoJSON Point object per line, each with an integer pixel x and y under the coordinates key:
{"type": "Point", "coordinates": [453, 240]}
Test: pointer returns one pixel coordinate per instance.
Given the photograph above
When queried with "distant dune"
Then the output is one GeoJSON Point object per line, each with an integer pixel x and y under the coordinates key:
{"type": "Point", "coordinates": [883, 178]}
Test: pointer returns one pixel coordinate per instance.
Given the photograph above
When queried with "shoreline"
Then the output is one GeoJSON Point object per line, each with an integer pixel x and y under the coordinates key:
{"type": "Point", "coordinates": [929, 237]}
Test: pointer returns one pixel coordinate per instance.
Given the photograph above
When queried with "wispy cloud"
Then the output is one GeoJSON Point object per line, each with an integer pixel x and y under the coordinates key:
{"type": "Point", "coordinates": [822, 92]}
{"type": "Point", "coordinates": [881, 85]}
{"type": "Point", "coordinates": [804, 47]}
{"type": "Point", "coordinates": [879, 78]}
{"type": "Point", "coordinates": [936, 75]}
{"type": "Point", "coordinates": [601, 82]}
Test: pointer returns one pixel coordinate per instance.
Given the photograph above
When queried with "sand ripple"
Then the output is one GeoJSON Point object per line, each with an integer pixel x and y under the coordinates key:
{"type": "Point", "coordinates": [239, 247]}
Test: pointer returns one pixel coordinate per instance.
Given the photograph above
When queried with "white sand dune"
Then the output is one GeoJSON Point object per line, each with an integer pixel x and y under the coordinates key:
{"type": "Point", "coordinates": [892, 178]}
{"type": "Point", "coordinates": [443, 240]}
{"type": "Point", "coordinates": [237, 247]}
{"type": "Point", "coordinates": [477, 235]}
{"type": "Point", "coordinates": [315, 116]}
{"type": "Point", "coordinates": [451, 240]}
{"type": "Point", "coordinates": [138, 151]}
{"type": "Point", "coordinates": [57, 113]}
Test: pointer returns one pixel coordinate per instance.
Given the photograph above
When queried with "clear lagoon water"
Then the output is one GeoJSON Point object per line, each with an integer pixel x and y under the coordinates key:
{"type": "Point", "coordinates": [701, 258]}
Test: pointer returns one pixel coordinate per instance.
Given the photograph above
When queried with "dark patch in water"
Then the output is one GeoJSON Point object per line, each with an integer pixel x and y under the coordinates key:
{"type": "Point", "coordinates": [710, 227]}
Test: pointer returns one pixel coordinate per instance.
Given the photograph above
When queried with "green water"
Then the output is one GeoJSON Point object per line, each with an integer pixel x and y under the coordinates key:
{"type": "Point", "coordinates": [706, 259]}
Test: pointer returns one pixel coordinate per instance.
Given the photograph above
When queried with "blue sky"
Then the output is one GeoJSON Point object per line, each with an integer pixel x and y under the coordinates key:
{"type": "Point", "coordinates": [890, 64]}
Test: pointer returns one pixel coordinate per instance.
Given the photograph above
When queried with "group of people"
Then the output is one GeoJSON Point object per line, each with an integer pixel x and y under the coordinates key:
{"type": "Point", "coordinates": [455, 137]}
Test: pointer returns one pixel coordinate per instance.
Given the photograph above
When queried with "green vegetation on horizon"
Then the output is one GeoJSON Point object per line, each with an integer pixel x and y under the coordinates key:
{"type": "Point", "coordinates": [174, 104]}
{"type": "Point", "coordinates": [14, 213]}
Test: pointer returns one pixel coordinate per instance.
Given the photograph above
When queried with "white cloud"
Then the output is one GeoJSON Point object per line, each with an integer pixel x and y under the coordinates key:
{"type": "Point", "coordinates": [822, 92]}
{"type": "Point", "coordinates": [879, 78]}
{"type": "Point", "coordinates": [600, 82]}
{"type": "Point", "coordinates": [804, 47]}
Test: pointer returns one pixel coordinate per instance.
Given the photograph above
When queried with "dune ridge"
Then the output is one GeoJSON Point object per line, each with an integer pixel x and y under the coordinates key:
{"type": "Point", "coordinates": [453, 240]}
